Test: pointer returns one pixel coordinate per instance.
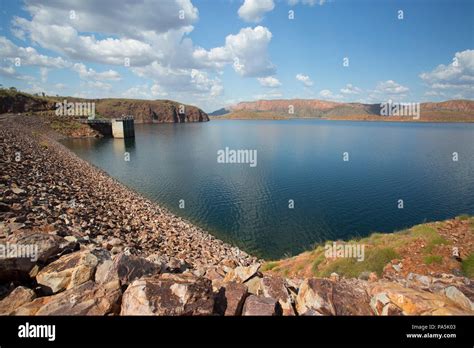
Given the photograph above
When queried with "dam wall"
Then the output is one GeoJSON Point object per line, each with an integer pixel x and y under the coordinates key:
{"type": "Point", "coordinates": [116, 128]}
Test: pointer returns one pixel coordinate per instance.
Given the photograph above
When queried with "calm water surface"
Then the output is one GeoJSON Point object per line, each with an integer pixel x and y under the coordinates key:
{"type": "Point", "coordinates": [299, 160]}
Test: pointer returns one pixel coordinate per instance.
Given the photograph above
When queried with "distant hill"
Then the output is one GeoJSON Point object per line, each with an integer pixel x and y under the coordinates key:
{"type": "Point", "coordinates": [452, 110]}
{"type": "Point", "coordinates": [220, 112]}
{"type": "Point", "coordinates": [144, 111]}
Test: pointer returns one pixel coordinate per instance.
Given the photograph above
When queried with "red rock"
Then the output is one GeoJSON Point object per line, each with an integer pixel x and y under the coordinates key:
{"type": "Point", "coordinates": [274, 287]}
{"type": "Point", "coordinates": [261, 306]}
{"type": "Point", "coordinates": [169, 294]}
{"type": "Point", "coordinates": [230, 299]}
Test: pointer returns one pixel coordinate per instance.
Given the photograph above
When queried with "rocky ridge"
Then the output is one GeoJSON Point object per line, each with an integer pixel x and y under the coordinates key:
{"type": "Point", "coordinates": [144, 111]}
{"type": "Point", "coordinates": [451, 110]}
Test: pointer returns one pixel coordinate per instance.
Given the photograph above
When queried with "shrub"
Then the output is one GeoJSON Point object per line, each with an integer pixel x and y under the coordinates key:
{"type": "Point", "coordinates": [468, 266]}
{"type": "Point", "coordinates": [432, 258]}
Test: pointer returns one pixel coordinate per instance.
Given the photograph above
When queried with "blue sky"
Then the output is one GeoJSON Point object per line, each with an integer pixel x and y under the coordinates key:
{"type": "Point", "coordinates": [213, 53]}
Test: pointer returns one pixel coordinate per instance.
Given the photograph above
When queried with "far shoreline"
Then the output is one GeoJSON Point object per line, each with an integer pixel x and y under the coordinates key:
{"type": "Point", "coordinates": [219, 118]}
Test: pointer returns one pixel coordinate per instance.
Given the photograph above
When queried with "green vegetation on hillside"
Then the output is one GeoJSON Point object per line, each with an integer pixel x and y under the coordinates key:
{"type": "Point", "coordinates": [421, 246]}
{"type": "Point", "coordinates": [468, 266]}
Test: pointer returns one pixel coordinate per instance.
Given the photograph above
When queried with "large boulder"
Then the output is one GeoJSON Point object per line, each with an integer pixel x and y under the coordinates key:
{"type": "Point", "coordinates": [350, 297]}
{"type": "Point", "coordinates": [241, 273]}
{"type": "Point", "coordinates": [467, 290]}
{"type": "Point", "coordinates": [49, 245]}
{"type": "Point", "coordinates": [411, 301]}
{"type": "Point", "coordinates": [17, 298]}
{"type": "Point", "coordinates": [274, 287]}
{"type": "Point", "coordinates": [261, 306]}
{"type": "Point", "coordinates": [337, 297]}
{"type": "Point", "coordinates": [230, 299]}
{"type": "Point", "coordinates": [68, 271]}
{"type": "Point", "coordinates": [216, 276]}
{"type": "Point", "coordinates": [255, 285]}
{"type": "Point", "coordinates": [459, 298]}
{"type": "Point", "coordinates": [315, 297]}
{"type": "Point", "coordinates": [169, 294]}
{"type": "Point", "coordinates": [125, 268]}
{"type": "Point", "coordinates": [88, 298]}
{"type": "Point", "coordinates": [25, 248]}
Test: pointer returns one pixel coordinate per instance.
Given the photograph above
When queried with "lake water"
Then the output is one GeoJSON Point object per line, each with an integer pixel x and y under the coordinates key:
{"type": "Point", "coordinates": [302, 161]}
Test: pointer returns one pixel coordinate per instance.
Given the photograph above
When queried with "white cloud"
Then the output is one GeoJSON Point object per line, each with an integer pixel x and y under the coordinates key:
{"type": "Point", "coordinates": [386, 90]}
{"type": "Point", "coordinates": [253, 10]}
{"type": "Point", "coordinates": [327, 94]}
{"type": "Point", "coordinates": [152, 36]}
{"type": "Point", "coordinates": [157, 91]}
{"type": "Point", "coordinates": [350, 89]}
{"type": "Point", "coordinates": [271, 95]}
{"type": "Point", "coordinates": [305, 79]}
{"type": "Point", "coordinates": [97, 85]}
{"type": "Point", "coordinates": [28, 55]}
{"type": "Point", "coordinates": [132, 29]}
{"type": "Point", "coordinates": [138, 92]}
{"type": "Point", "coordinates": [85, 73]}
{"type": "Point", "coordinates": [193, 81]}
{"type": "Point", "coordinates": [10, 72]}
{"type": "Point", "coordinates": [68, 42]}
{"type": "Point", "coordinates": [44, 74]}
{"type": "Point", "coordinates": [390, 87]}
{"type": "Point", "coordinates": [307, 2]}
{"type": "Point", "coordinates": [247, 51]}
{"type": "Point", "coordinates": [269, 81]}
{"type": "Point", "coordinates": [132, 19]}
{"type": "Point", "coordinates": [457, 77]}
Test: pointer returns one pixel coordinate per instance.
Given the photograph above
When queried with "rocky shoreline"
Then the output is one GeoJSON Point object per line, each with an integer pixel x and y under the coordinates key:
{"type": "Point", "coordinates": [102, 249]}
{"type": "Point", "coordinates": [49, 187]}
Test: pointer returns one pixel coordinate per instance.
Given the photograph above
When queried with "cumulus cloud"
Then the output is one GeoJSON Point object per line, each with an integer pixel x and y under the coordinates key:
{"type": "Point", "coordinates": [138, 92]}
{"type": "Point", "coordinates": [133, 29]}
{"type": "Point", "coordinates": [271, 95]}
{"type": "Point", "coordinates": [181, 80]}
{"type": "Point", "coordinates": [144, 91]}
{"type": "Point", "coordinates": [68, 42]}
{"type": "Point", "coordinates": [306, 2]}
{"type": "Point", "coordinates": [390, 87]}
{"type": "Point", "coordinates": [350, 89]}
{"type": "Point", "coordinates": [385, 90]}
{"type": "Point", "coordinates": [158, 91]}
{"type": "Point", "coordinates": [457, 76]}
{"type": "Point", "coordinates": [304, 79]}
{"type": "Point", "coordinates": [269, 81]}
{"type": "Point", "coordinates": [327, 94]}
{"type": "Point", "coordinates": [97, 85]}
{"type": "Point", "coordinates": [10, 72]}
{"type": "Point", "coordinates": [132, 19]}
{"type": "Point", "coordinates": [253, 10]}
{"type": "Point", "coordinates": [157, 47]}
{"type": "Point", "coordinates": [29, 55]}
{"type": "Point", "coordinates": [247, 51]}
{"type": "Point", "coordinates": [85, 73]}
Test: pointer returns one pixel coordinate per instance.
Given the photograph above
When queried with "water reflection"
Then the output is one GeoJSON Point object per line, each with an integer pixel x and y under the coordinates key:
{"type": "Point", "coordinates": [302, 161]}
